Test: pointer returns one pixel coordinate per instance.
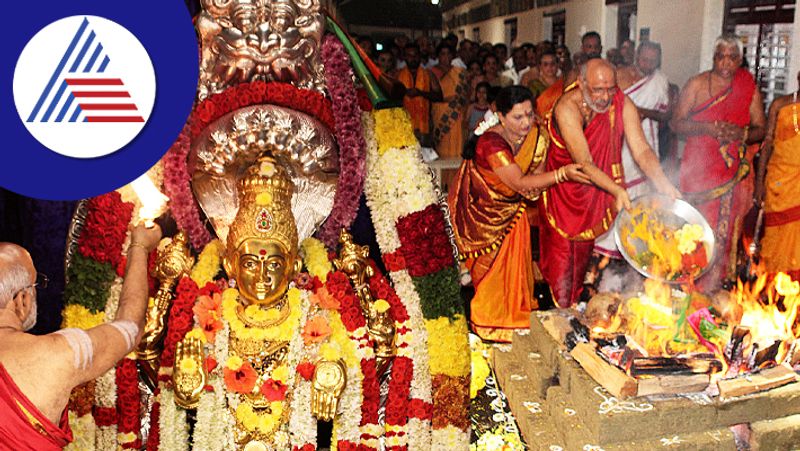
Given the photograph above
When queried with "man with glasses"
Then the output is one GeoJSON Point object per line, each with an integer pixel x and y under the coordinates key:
{"type": "Point", "coordinates": [37, 373]}
{"type": "Point", "coordinates": [588, 126]}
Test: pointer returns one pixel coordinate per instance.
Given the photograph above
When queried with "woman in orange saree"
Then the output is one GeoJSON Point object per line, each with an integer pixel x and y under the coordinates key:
{"type": "Point", "coordinates": [487, 205]}
{"type": "Point", "coordinates": [779, 188]}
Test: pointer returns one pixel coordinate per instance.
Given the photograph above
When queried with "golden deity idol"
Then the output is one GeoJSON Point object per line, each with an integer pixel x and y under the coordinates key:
{"type": "Point", "coordinates": [261, 258]}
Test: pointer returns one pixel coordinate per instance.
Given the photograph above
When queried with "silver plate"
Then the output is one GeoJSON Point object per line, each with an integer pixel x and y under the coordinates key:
{"type": "Point", "coordinates": [675, 214]}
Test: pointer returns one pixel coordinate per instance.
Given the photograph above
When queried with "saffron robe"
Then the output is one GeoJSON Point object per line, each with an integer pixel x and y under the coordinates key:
{"type": "Point", "coordinates": [23, 426]}
{"type": "Point", "coordinates": [419, 108]}
{"type": "Point", "coordinates": [781, 244]}
{"type": "Point", "coordinates": [576, 214]}
{"type": "Point", "coordinates": [711, 174]}
{"type": "Point", "coordinates": [493, 234]}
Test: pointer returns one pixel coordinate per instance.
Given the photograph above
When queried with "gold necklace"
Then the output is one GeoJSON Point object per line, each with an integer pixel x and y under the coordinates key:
{"type": "Point", "coordinates": [284, 310]}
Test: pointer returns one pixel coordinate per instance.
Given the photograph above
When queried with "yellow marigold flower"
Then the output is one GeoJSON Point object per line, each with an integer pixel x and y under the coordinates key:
{"type": "Point", "coordinates": [330, 352]}
{"type": "Point", "coordinates": [393, 129]}
{"type": "Point", "coordinates": [208, 263]}
{"type": "Point", "coordinates": [264, 198]}
{"type": "Point", "coordinates": [381, 306]}
{"type": "Point", "coordinates": [281, 373]}
{"type": "Point", "coordinates": [315, 257]}
{"type": "Point", "coordinates": [80, 317]}
{"type": "Point", "coordinates": [197, 333]}
{"type": "Point", "coordinates": [234, 362]}
{"type": "Point", "coordinates": [443, 336]}
{"type": "Point", "coordinates": [188, 365]}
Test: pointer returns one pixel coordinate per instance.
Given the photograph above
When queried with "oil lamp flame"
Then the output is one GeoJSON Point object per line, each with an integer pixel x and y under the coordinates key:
{"type": "Point", "coordinates": [154, 202]}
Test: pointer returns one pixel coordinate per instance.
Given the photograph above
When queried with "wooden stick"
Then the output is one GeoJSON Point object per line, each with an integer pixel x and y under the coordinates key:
{"type": "Point", "coordinates": [663, 385]}
{"type": "Point", "coordinates": [610, 377]}
{"type": "Point", "coordinates": [764, 380]}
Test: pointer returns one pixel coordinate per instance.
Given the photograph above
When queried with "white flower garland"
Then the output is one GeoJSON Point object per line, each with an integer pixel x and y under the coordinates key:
{"type": "Point", "coordinates": [486, 124]}
{"type": "Point", "coordinates": [173, 429]}
{"type": "Point", "coordinates": [213, 426]}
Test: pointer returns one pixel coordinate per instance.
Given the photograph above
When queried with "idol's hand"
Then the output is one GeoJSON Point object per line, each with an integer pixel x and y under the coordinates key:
{"type": "Point", "coordinates": [189, 375]}
{"type": "Point", "coordinates": [328, 384]}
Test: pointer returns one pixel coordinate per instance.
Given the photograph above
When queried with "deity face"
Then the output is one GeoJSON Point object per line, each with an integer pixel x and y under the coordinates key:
{"type": "Point", "coordinates": [263, 270]}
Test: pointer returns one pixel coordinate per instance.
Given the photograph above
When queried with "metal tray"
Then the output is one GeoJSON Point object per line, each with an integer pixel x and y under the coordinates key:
{"type": "Point", "coordinates": [675, 214]}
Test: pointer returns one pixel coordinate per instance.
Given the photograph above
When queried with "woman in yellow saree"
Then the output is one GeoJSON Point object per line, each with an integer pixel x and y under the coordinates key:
{"type": "Point", "coordinates": [501, 169]}
{"type": "Point", "coordinates": [779, 187]}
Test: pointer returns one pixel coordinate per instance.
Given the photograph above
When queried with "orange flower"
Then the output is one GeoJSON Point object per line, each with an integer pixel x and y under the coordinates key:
{"type": "Point", "coordinates": [316, 330]}
{"type": "Point", "coordinates": [241, 380]}
{"type": "Point", "coordinates": [208, 306]}
{"type": "Point", "coordinates": [210, 327]}
{"type": "Point", "coordinates": [208, 311]}
{"type": "Point", "coordinates": [274, 390]}
{"type": "Point", "coordinates": [325, 299]}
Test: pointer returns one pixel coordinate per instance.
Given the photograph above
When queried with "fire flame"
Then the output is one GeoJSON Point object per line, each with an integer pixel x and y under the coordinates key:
{"type": "Point", "coordinates": [657, 320]}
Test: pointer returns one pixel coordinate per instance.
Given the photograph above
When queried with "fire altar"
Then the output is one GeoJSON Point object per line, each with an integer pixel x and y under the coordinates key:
{"type": "Point", "coordinates": [661, 369]}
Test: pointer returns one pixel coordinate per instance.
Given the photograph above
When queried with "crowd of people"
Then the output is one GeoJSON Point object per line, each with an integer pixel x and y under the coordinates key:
{"type": "Point", "coordinates": [562, 142]}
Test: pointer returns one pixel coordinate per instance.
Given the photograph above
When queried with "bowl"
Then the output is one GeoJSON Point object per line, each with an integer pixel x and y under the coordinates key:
{"type": "Point", "coordinates": [673, 213]}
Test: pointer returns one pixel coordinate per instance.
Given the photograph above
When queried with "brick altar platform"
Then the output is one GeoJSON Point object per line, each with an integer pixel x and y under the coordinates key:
{"type": "Point", "coordinates": [560, 407]}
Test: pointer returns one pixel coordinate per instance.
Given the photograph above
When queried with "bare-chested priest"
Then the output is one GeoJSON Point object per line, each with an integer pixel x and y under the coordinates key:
{"type": "Point", "coordinates": [37, 373]}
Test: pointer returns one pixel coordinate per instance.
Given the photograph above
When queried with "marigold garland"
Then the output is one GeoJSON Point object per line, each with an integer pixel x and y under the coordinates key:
{"type": "Point", "coordinates": [315, 258]}
{"type": "Point", "coordinates": [208, 263]}
{"type": "Point", "coordinates": [393, 129]}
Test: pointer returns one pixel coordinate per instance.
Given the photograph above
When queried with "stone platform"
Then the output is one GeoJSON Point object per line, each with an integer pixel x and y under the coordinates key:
{"type": "Point", "coordinates": [559, 406]}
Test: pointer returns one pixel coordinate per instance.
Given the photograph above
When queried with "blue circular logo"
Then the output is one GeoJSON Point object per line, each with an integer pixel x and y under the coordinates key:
{"type": "Point", "coordinates": [98, 92]}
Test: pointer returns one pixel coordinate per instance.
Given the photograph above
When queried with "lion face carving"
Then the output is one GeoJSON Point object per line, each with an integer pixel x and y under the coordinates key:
{"type": "Point", "coordinates": [270, 40]}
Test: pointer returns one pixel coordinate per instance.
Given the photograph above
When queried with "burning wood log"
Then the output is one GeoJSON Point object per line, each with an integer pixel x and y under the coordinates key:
{"type": "Point", "coordinates": [766, 356]}
{"type": "Point", "coordinates": [610, 377]}
{"type": "Point", "coordinates": [754, 382]}
{"type": "Point", "coordinates": [674, 365]}
{"type": "Point", "coordinates": [734, 350]}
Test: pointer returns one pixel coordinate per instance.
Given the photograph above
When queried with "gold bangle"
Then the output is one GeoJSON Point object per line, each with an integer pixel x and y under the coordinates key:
{"type": "Point", "coordinates": [562, 174]}
{"type": "Point", "coordinates": [132, 245]}
{"type": "Point", "coordinates": [555, 177]}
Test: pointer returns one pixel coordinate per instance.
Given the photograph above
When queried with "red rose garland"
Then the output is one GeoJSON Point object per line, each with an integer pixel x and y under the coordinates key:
{"type": "Point", "coordinates": [349, 136]}
{"type": "Point", "coordinates": [425, 245]}
{"type": "Point", "coordinates": [105, 228]}
{"type": "Point", "coordinates": [128, 401]}
{"type": "Point", "coordinates": [181, 318]}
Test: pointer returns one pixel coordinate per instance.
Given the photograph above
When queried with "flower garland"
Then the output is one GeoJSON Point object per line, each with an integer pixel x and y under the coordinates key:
{"type": "Point", "coordinates": [410, 229]}
{"type": "Point", "coordinates": [128, 404]}
{"type": "Point", "coordinates": [177, 178]}
{"type": "Point", "coordinates": [177, 188]}
{"type": "Point", "coordinates": [339, 78]}
{"type": "Point", "coordinates": [91, 298]}
{"type": "Point", "coordinates": [208, 263]}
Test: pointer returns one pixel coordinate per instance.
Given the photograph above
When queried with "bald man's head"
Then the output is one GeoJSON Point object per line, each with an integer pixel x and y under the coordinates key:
{"type": "Point", "coordinates": [16, 271]}
{"type": "Point", "coordinates": [598, 82]}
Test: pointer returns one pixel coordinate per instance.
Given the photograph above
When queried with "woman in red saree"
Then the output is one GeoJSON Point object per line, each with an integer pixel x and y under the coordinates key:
{"type": "Point", "coordinates": [487, 205]}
